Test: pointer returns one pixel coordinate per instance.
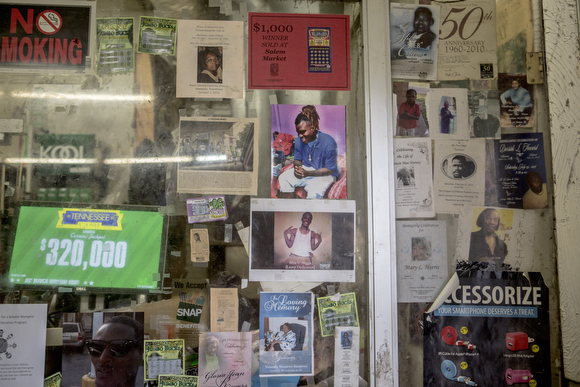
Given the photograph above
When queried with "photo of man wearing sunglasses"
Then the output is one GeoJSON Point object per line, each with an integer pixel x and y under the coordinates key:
{"type": "Point", "coordinates": [117, 352]}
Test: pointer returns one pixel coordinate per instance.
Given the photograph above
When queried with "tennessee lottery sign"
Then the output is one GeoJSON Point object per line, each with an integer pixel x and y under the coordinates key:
{"type": "Point", "coordinates": [53, 36]}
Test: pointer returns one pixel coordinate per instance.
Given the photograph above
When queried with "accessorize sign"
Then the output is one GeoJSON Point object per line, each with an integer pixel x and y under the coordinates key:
{"type": "Point", "coordinates": [488, 328]}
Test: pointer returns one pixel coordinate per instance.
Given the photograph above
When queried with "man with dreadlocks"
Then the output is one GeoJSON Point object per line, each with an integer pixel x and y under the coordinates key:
{"type": "Point", "coordinates": [315, 165]}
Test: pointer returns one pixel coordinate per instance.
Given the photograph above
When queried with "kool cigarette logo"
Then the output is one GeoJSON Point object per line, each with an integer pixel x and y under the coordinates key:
{"type": "Point", "coordinates": [37, 47]}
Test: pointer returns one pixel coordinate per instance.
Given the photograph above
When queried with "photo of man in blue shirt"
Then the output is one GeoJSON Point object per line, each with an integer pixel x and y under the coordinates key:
{"type": "Point", "coordinates": [518, 104]}
{"type": "Point", "coordinates": [315, 159]}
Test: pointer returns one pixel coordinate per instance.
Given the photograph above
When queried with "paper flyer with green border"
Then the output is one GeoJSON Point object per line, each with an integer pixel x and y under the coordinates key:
{"type": "Point", "coordinates": [157, 35]}
{"type": "Point", "coordinates": [163, 357]}
{"type": "Point", "coordinates": [53, 380]}
{"type": "Point", "coordinates": [178, 381]}
{"type": "Point", "coordinates": [335, 312]}
{"type": "Point", "coordinates": [115, 48]}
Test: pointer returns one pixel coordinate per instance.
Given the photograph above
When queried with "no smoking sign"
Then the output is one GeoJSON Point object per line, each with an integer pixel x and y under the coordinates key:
{"type": "Point", "coordinates": [49, 22]}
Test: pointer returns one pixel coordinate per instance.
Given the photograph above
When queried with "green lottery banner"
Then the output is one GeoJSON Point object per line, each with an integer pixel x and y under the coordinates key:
{"type": "Point", "coordinates": [97, 248]}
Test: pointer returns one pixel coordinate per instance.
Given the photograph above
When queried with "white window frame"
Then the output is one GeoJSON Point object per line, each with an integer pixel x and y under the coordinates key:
{"type": "Point", "coordinates": [383, 333]}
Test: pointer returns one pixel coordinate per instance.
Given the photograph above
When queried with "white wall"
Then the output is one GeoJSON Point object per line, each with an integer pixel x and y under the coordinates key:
{"type": "Point", "coordinates": [563, 81]}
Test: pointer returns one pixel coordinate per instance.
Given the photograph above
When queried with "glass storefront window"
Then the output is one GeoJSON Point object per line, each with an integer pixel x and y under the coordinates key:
{"type": "Point", "coordinates": [111, 141]}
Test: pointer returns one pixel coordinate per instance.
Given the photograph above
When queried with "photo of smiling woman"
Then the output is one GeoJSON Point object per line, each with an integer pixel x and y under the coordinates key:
{"type": "Point", "coordinates": [421, 248]}
{"type": "Point", "coordinates": [209, 65]}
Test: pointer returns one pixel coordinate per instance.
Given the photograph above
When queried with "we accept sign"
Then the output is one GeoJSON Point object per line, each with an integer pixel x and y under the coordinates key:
{"type": "Point", "coordinates": [45, 36]}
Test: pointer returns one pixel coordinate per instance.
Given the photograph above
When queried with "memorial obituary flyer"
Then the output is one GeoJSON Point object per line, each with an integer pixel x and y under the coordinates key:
{"type": "Point", "coordinates": [22, 344]}
{"type": "Point", "coordinates": [225, 359]}
{"type": "Point", "coordinates": [346, 356]}
{"type": "Point", "coordinates": [298, 51]}
{"type": "Point", "coordinates": [209, 53]}
{"type": "Point", "coordinates": [513, 232]}
{"type": "Point", "coordinates": [199, 241]}
{"type": "Point", "coordinates": [414, 41]}
{"type": "Point", "coordinates": [484, 113]}
{"type": "Point", "coordinates": [163, 357]}
{"type": "Point", "coordinates": [521, 171]}
{"type": "Point", "coordinates": [286, 332]}
{"type": "Point", "coordinates": [467, 44]}
{"type": "Point", "coordinates": [459, 174]}
{"type": "Point", "coordinates": [421, 259]}
{"type": "Point", "coordinates": [414, 171]}
{"type": "Point", "coordinates": [224, 309]}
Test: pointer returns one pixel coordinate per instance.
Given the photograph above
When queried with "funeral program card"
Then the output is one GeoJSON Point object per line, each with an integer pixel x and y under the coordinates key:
{"type": "Point", "coordinates": [421, 260]}
{"type": "Point", "coordinates": [414, 41]}
{"type": "Point", "coordinates": [521, 171]}
{"type": "Point", "coordinates": [484, 113]}
{"type": "Point", "coordinates": [496, 236]}
{"type": "Point", "coordinates": [224, 309]}
{"type": "Point", "coordinates": [448, 113]}
{"type": "Point", "coordinates": [209, 53]}
{"type": "Point", "coordinates": [346, 356]}
{"type": "Point", "coordinates": [199, 239]}
{"type": "Point", "coordinates": [414, 186]}
{"type": "Point", "coordinates": [225, 359]}
{"type": "Point", "coordinates": [459, 174]}
{"type": "Point", "coordinates": [286, 334]}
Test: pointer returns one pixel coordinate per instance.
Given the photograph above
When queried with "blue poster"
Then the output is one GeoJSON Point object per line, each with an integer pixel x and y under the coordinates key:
{"type": "Point", "coordinates": [521, 171]}
{"type": "Point", "coordinates": [489, 331]}
{"type": "Point", "coordinates": [286, 334]}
